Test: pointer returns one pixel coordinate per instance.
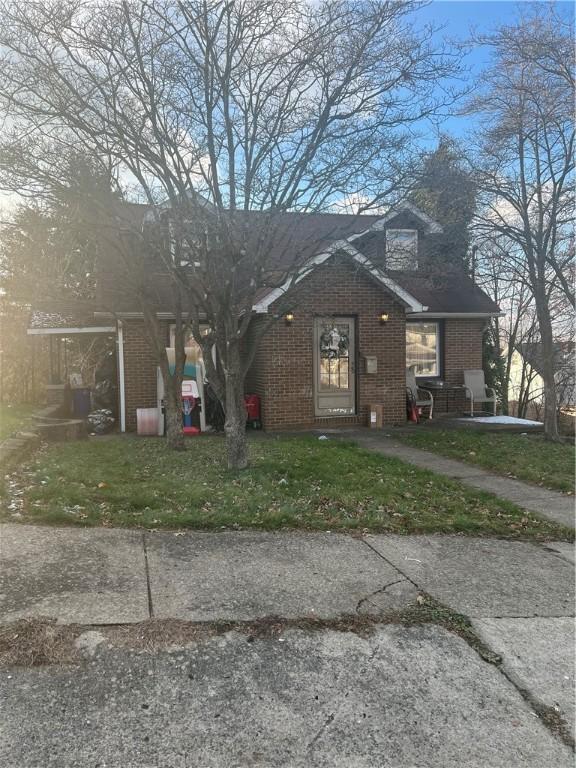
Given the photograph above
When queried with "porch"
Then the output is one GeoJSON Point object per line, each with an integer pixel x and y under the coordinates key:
{"type": "Point", "coordinates": [82, 371]}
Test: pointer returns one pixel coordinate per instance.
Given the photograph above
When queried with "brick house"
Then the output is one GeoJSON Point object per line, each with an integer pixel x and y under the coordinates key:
{"type": "Point", "coordinates": [371, 303]}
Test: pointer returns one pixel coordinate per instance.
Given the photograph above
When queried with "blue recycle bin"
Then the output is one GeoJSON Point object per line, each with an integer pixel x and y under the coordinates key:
{"type": "Point", "coordinates": [81, 402]}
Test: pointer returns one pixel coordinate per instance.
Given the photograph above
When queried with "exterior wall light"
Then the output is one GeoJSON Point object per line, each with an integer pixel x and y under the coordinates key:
{"type": "Point", "coordinates": [383, 318]}
{"type": "Point", "coordinates": [289, 318]}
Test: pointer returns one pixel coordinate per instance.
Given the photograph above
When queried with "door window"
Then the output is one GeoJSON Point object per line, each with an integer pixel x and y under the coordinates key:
{"type": "Point", "coordinates": [334, 343]}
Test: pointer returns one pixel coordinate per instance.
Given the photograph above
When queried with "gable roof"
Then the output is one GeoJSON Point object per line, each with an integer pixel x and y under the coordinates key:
{"type": "Point", "coordinates": [431, 227]}
{"type": "Point", "coordinates": [342, 246]}
{"type": "Point", "coordinates": [447, 294]}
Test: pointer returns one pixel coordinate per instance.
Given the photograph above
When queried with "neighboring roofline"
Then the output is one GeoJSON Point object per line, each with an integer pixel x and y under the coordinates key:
{"type": "Point", "coordinates": [71, 330]}
{"type": "Point", "coordinates": [262, 306]}
{"type": "Point", "coordinates": [535, 364]}
{"type": "Point", "coordinates": [556, 344]}
{"type": "Point", "coordinates": [430, 315]}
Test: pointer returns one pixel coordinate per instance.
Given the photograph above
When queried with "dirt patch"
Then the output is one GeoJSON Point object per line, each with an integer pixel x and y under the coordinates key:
{"type": "Point", "coordinates": [42, 642]}
{"type": "Point", "coordinates": [155, 634]}
{"type": "Point", "coordinates": [430, 611]}
{"type": "Point", "coordinates": [550, 716]}
{"type": "Point", "coordinates": [38, 642]}
{"type": "Point", "coordinates": [553, 721]}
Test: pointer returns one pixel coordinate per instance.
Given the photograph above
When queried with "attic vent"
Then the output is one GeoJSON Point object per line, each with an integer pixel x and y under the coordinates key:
{"type": "Point", "coordinates": [401, 249]}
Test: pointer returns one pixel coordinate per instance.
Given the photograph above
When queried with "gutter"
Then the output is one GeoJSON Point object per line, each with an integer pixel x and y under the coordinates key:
{"type": "Point", "coordinates": [456, 315]}
{"type": "Point", "coordinates": [140, 315]}
{"type": "Point", "coordinates": [69, 331]}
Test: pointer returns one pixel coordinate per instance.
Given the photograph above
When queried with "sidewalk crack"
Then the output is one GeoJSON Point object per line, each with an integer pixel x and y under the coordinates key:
{"type": "Point", "coordinates": [377, 592]}
{"type": "Point", "coordinates": [147, 572]}
{"type": "Point", "coordinates": [391, 564]}
{"type": "Point", "coordinates": [321, 730]}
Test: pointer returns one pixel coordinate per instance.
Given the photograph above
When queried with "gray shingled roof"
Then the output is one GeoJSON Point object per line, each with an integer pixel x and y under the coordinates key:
{"type": "Point", "coordinates": [307, 234]}
{"type": "Point", "coordinates": [63, 315]}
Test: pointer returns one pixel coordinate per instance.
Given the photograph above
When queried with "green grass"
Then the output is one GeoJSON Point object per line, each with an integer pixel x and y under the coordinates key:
{"type": "Point", "coordinates": [291, 483]}
{"type": "Point", "coordinates": [526, 457]}
{"type": "Point", "coordinates": [13, 417]}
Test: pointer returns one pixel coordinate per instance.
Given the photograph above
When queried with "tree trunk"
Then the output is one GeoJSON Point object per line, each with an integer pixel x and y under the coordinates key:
{"type": "Point", "coordinates": [550, 399]}
{"type": "Point", "coordinates": [235, 424]}
{"type": "Point", "coordinates": [173, 412]}
{"type": "Point", "coordinates": [550, 405]}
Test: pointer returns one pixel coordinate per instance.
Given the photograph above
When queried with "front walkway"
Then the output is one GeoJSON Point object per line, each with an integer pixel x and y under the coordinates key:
{"type": "Point", "coordinates": [549, 504]}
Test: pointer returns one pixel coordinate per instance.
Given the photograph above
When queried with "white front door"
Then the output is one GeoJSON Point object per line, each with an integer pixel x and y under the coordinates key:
{"type": "Point", "coordinates": [334, 366]}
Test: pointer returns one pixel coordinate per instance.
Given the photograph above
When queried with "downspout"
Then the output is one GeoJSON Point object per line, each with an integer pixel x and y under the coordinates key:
{"type": "Point", "coordinates": [121, 377]}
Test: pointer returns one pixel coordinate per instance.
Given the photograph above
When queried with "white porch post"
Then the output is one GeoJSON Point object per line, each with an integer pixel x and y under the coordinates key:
{"type": "Point", "coordinates": [121, 377]}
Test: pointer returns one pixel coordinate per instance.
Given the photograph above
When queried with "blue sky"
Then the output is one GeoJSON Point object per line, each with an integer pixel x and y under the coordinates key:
{"type": "Point", "coordinates": [460, 17]}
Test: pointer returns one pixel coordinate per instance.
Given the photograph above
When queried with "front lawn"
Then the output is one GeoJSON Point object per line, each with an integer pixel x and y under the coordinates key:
{"type": "Point", "coordinates": [13, 418]}
{"type": "Point", "coordinates": [526, 457]}
{"type": "Point", "coordinates": [292, 483]}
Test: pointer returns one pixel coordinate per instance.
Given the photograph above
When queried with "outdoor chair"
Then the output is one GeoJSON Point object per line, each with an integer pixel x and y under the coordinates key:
{"type": "Point", "coordinates": [421, 397]}
{"type": "Point", "coordinates": [477, 391]}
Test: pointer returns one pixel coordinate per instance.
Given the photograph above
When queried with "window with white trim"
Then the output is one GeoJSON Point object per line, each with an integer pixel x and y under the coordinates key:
{"type": "Point", "coordinates": [423, 348]}
{"type": "Point", "coordinates": [401, 249]}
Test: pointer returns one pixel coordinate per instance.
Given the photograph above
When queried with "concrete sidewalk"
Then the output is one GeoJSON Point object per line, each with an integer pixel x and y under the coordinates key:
{"type": "Point", "coordinates": [114, 576]}
{"type": "Point", "coordinates": [401, 697]}
{"type": "Point", "coordinates": [551, 505]}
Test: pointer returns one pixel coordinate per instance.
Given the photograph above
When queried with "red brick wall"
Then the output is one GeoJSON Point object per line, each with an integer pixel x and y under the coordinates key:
{"type": "Point", "coordinates": [282, 373]}
{"type": "Point", "coordinates": [462, 348]}
{"type": "Point", "coordinates": [139, 370]}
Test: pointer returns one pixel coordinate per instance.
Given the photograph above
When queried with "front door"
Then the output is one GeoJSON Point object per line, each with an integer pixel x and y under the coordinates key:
{"type": "Point", "coordinates": [334, 369]}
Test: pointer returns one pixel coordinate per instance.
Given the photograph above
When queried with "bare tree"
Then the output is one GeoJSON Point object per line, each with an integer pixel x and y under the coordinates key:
{"type": "Point", "coordinates": [221, 108]}
{"type": "Point", "coordinates": [497, 274]}
{"type": "Point", "coordinates": [52, 252]}
{"type": "Point", "coordinates": [526, 167]}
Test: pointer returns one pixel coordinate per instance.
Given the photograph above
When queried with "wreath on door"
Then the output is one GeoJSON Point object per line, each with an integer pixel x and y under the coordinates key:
{"type": "Point", "coordinates": [334, 342]}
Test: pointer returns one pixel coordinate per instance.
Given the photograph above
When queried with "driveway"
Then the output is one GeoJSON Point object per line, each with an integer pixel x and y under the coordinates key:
{"type": "Point", "coordinates": [173, 659]}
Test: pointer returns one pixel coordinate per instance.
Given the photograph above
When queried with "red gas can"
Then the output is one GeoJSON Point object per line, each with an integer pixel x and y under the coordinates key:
{"type": "Point", "coordinates": [189, 402]}
{"type": "Point", "coordinates": [252, 404]}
